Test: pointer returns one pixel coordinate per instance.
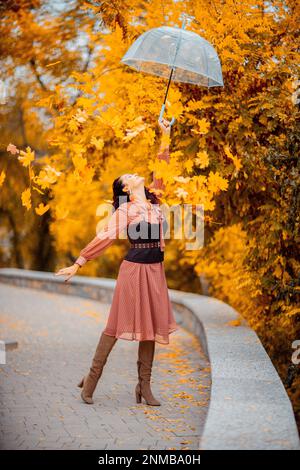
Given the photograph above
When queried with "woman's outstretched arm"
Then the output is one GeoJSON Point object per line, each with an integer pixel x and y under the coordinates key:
{"type": "Point", "coordinates": [163, 153]}
{"type": "Point", "coordinates": [116, 224]}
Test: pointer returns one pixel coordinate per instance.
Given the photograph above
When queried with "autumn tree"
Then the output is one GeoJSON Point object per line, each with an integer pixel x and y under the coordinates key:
{"type": "Point", "coordinates": [234, 149]}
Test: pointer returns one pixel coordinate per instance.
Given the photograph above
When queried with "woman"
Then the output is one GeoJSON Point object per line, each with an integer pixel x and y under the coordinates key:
{"type": "Point", "coordinates": [141, 308]}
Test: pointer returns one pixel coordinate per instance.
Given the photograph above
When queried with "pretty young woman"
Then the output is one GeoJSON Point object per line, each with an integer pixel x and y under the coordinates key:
{"type": "Point", "coordinates": [141, 309]}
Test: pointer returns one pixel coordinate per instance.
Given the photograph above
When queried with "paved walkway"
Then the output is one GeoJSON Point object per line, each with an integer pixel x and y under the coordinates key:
{"type": "Point", "coordinates": [40, 405]}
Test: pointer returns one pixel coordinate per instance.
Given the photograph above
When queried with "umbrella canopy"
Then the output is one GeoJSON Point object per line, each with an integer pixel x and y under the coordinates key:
{"type": "Point", "coordinates": [192, 58]}
{"type": "Point", "coordinates": [177, 54]}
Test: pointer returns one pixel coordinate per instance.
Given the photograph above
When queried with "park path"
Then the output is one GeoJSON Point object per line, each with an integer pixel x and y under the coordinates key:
{"type": "Point", "coordinates": [40, 405]}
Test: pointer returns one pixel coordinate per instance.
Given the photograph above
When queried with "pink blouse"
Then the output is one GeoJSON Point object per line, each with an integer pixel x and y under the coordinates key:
{"type": "Point", "coordinates": [127, 213]}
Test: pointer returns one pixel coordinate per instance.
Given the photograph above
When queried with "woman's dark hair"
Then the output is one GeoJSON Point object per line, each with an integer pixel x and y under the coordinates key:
{"type": "Point", "coordinates": [121, 196]}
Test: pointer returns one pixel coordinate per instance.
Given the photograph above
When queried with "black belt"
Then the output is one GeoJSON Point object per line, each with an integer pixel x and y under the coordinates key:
{"type": "Point", "coordinates": [145, 245]}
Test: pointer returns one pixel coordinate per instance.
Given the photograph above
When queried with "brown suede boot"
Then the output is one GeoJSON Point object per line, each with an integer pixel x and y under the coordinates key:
{"type": "Point", "coordinates": [89, 383]}
{"type": "Point", "coordinates": [144, 364]}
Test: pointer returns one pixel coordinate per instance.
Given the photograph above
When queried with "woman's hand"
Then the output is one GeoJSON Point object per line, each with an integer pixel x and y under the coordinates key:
{"type": "Point", "coordinates": [165, 126]}
{"type": "Point", "coordinates": [69, 272]}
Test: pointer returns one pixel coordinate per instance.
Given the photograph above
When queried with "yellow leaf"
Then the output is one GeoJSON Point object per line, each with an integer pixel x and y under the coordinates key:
{"type": "Point", "coordinates": [81, 116]}
{"type": "Point", "coordinates": [131, 133]}
{"type": "Point", "coordinates": [181, 179]}
{"type": "Point", "coordinates": [73, 125]}
{"type": "Point", "coordinates": [2, 177]}
{"type": "Point", "coordinates": [26, 198]}
{"type": "Point", "coordinates": [278, 271]}
{"type": "Point", "coordinates": [41, 209]}
{"type": "Point", "coordinates": [12, 149]}
{"type": "Point", "coordinates": [47, 177]}
{"type": "Point", "coordinates": [216, 182]}
{"type": "Point", "coordinates": [188, 164]}
{"type": "Point", "coordinates": [180, 192]}
{"type": "Point", "coordinates": [236, 161]}
{"type": "Point", "coordinates": [97, 142]}
{"type": "Point", "coordinates": [292, 311]}
{"type": "Point", "coordinates": [79, 162]}
{"type": "Point", "coordinates": [202, 159]}
{"type": "Point", "coordinates": [234, 323]}
{"type": "Point", "coordinates": [203, 126]}
{"type": "Point", "coordinates": [61, 211]}
{"type": "Point", "coordinates": [26, 157]}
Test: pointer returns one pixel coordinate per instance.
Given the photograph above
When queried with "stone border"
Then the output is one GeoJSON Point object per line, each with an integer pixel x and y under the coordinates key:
{"type": "Point", "coordinates": [10, 344]}
{"type": "Point", "coordinates": [249, 407]}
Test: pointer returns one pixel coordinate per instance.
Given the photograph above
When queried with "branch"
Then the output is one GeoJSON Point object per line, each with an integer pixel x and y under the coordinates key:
{"type": "Point", "coordinates": [38, 77]}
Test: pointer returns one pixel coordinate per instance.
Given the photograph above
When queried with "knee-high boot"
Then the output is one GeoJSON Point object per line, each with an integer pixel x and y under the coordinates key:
{"type": "Point", "coordinates": [89, 382]}
{"type": "Point", "coordinates": [144, 366]}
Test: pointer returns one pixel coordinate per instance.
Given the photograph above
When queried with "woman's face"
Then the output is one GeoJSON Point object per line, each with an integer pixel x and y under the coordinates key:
{"type": "Point", "coordinates": [132, 180]}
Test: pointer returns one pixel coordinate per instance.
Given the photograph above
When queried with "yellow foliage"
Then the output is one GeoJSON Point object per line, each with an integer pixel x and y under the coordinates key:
{"type": "Point", "coordinates": [202, 159]}
{"type": "Point", "coordinates": [41, 209]}
{"type": "Point", "coordinates": [97, 142]}
{"type": "Point", "coordinates": [26, 157]}
{"type": "Point", "coordinates": [26, 198]}
{"type": "Point", "coordinates": [233, 148]}
{"type": "Point", "coordinates": [2, 177]}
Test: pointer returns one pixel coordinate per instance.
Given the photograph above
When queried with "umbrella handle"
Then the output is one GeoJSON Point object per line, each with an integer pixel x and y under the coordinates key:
{"type": "Point", "coordinates": [161, 115]}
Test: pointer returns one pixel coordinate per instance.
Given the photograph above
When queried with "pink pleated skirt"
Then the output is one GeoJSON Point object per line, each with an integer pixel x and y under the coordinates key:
{"type": "Point", "coordinates": [141, 308]}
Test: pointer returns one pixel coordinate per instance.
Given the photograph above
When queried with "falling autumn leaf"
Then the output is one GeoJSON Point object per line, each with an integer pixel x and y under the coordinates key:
{"type": "Point", "coordinates": [26, 157]}
{"type": "Point", "coordinates": [26, 198]}
{"type": "Point", "coordinates": [41, 209]}
{"type": "Point", "coordinates": [2, 177]}
{"type": "Point", "coordinates": [12, 149]}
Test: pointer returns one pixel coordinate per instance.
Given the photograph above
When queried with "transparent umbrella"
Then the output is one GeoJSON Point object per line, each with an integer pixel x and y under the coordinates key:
{"type": "Point", "coordinates": [177, 54]}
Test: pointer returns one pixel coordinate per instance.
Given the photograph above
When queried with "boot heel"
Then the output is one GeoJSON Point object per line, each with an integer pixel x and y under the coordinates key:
{"type": "Point", "coordinates": [87, 400]}
{"type": "Point", "coordinates": [138, 396]}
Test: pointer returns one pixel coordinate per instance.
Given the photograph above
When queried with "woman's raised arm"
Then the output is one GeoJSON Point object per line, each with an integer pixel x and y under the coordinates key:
{"type": "Point", "coordinates": [164, 152]}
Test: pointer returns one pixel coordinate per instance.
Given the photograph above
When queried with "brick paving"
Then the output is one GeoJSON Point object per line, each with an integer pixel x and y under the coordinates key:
{"type": "Point", "coordinates": [40, 404]}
